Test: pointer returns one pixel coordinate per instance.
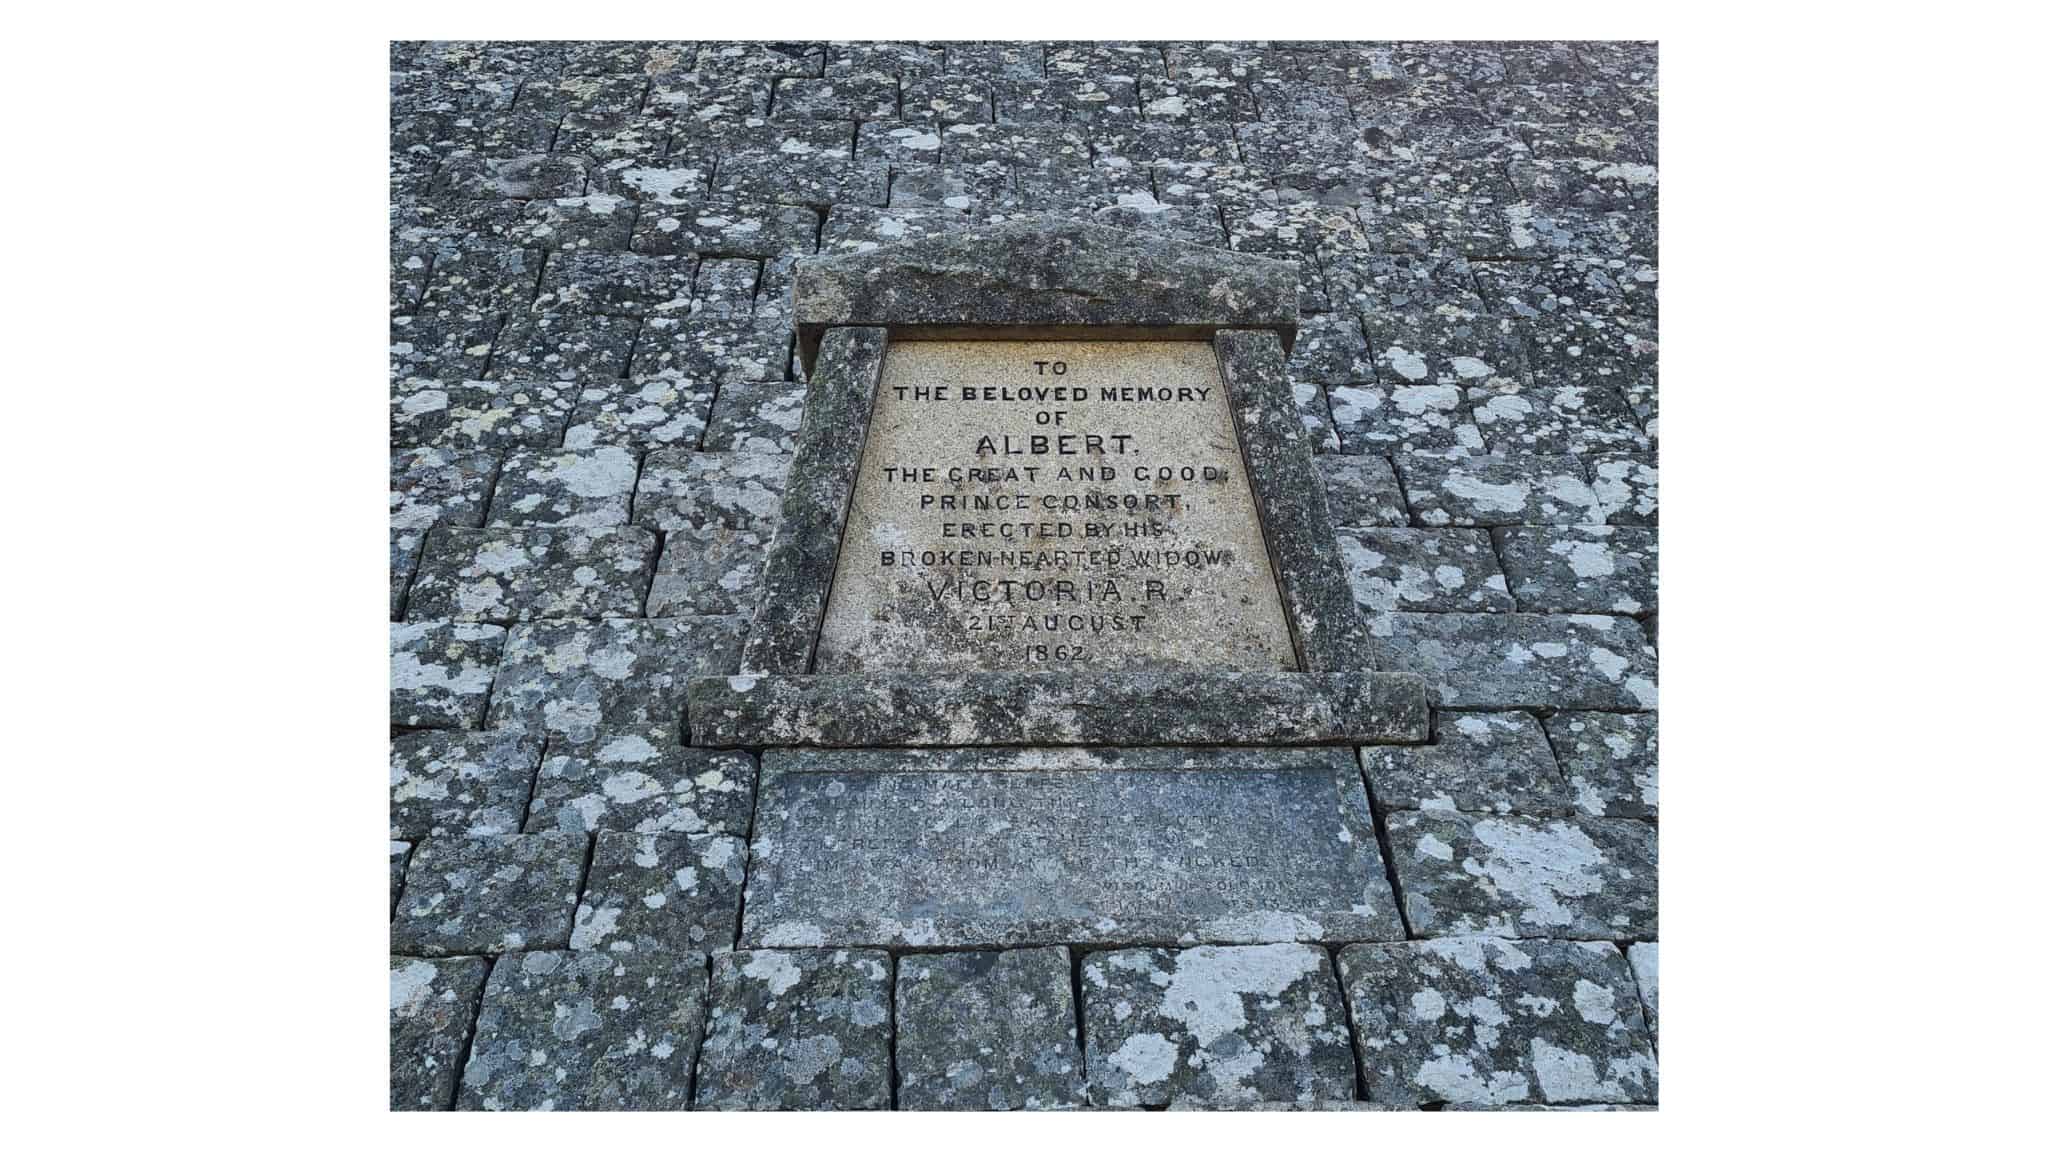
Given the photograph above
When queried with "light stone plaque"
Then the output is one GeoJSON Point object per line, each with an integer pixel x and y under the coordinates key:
{"type": "Point", "coordinates": [1052, 505]}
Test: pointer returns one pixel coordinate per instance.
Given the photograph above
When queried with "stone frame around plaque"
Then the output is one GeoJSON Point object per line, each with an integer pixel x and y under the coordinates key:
{"type": "Point", "coordinates": [1053, 280]}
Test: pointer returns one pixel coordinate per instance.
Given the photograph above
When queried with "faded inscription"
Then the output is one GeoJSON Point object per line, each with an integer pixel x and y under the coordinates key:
{"type": "Point", "coordinates": [1050, 505]}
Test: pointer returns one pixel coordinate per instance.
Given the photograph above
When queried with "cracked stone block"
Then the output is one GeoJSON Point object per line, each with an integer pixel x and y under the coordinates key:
{"type": "Point", "coordinates": [1642, 960]}
{"type": "Point", "coordinates": [803, 1029]}
{"type": "Point", "coordinates": [1581, 569]}
{"type": "Point", "coordinates": [1554, 421]}
{"type": "Point", "coordinates": [432, 1004]}
{"type": "Point", "coordinates": [721, 350]}
{"type": "Point", "coordinates": [1331, 350]}
{"type": "Point", "coordinates": [709, 572]}
{"type": "Point", "coordinates": [563, 346]}
{"type": "Point", "coordinates": [644, 782]}
{"type": "Point", "coordinates": [1423, 570]}
{"type": "Point", "coordinates": [505, 575]}
{"type": "Point", "coordinates": [489, 894]}
{"type": "Point", "coordinates": [662, 410]}
{"type": "Point", "coordinates": [685, 490]}
{"type": "Point", "coordinates": [451, 345]}
{"type": "Point", "coordinates": [1609, 761]}
{"type": "Point", "coordinates": [1421, 419]}
{"type": "Point", "coordinates": [1464, 874]}
{"type": "Point", "coordinates": [1222, 1025]}
{"type": "Point", "coordinates": [441, 672]}
{"type": "Point", "coordinates": [432, 486]}
{"type": "Point", "coordinates": [479, 414]}
{"type": "Point", "coordinates": [401, 851]}
{"type": "Point", "coordinates": [1494, 762]}
{"type": "Point", "coordinates": [1485, 491]}
{"type": "Point", "coordinates": [575, 488]}
{"type": "Point", "coordinates": [709, 226]}
{"type": "Point", "coordinates": [1626, 489]}
{"type": "Point", "coordinates": [1476, 1021]}
{"type": "Point", "coordinates": [987, 1031]}
{"type": "Point", "coordinates": [1502, 660]}
{"type": "Point", "coordinates": [616, 284]}
{"type": "Point", "coordinates": [537, 176]}
{"type": "Point", "coordinates": [461, 783]}
{"type": "Point", "coordinates": [1313, 406]}
{"type": "Point", "coordinates": [586, 1031]}
{"type": "Point", "coordinates": [756, 416]}
{"type": "Point", "coordinates": [661, 894]}
{"type": "Point", "coordinates": [726, 287]}
{"type": "Point", "coordinates": [577, 680]}
{"type": "Point", "coordinates": [1362, 492]}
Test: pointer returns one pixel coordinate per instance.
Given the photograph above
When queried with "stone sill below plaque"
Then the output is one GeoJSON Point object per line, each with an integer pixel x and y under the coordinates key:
{"type": "Point", "coordinates": [1016, 709]}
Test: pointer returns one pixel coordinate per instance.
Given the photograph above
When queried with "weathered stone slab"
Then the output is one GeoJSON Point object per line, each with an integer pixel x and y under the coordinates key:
{"type": "Point", "coordinates": [1058, 708]}
{"type": "Point", "coordinates": [1423, 570]}
{"type": "Point", "coordinates": [643, 781]}
{"type": "Point", "coordinates": [488, 894]}
{"type": "Point", "coordinates": [461, 783]}
{"type": "Point", "coordinates": [1525, 876]}
{"type": "Point", "coordinates": [1038, 273]}
{"type": "Point", "coordinates": [1404, 420]}
{"type": "Point", "coordinates": [986, 849]}
{"type": "Point", "coordinates": [1222, 1026]}
{"type": "Point", "coordinates": [756, 416]}
{"type": "Point", "coordinates": [990, 1031]}
{"type": "Point", "coordinates": [661, 894]}
{"type": "Point", "coordinates": [432, 486]}
{"type": "Point", "coordinates": [1501, 660]}
{"type": "Point", "coordinates": [680, 489]}
{"type": "Point", "coordinates": [805, 1029]}
{"type": "Point", "coordinates": [1069, 504]}
{"type": "Point", "coordinates": [586, 1031]}
{"type": "Point", "coordinates": [504, 575]}
{"type": "Point", "coordinates": [432, 1004]}
{"type": "Point", "coordinates": [1495, 1022]}
{"type": "Point", "coordinates": [708, 572]}
{"type": "Point", "coordinates": [584, 488]}
{"type": "Point", "coordinates": [401, 851]}
{"type": "Point", "coordinates": [1642, 961]}
{"type": "Point", "coordinates": [1581, 569]}
{"type": "Point", "coordinates": [441, 673]}
{"type": "Point", "coordinates": [578, 679]}
{"type": "Point", "coordinates": [1494, 762]}
{"type": "Point", "coordinates": [488, 414]}
{"type": "Point", "coordinates": [1362, 492]}
{"type": "Point", "coordinates": [1609, 761]}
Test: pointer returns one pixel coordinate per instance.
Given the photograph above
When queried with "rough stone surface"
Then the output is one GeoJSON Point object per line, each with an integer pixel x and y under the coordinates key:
{"type": "Point", "coordinates": [1058, 708]}
{"type": "Point", "coordinates": [429, 411]}
{"type": "Point", "coordinates": [1218, 1025]}
{"type": "Point", "coordinates": [644, 782]}
{"type": "Point", "coordinates": [661, 894]}
{"type": "Point", "coordinates": [1423, 570]}
{"type": "Point", "coordinates": [585, 488]}
{"type": "Point", "coordinates": [586, 1031]}
{"type": "Point", "coordinates": [712, 570]}
{"type": "Point", "coordinates": [1498, 1022]}
{"type": "Point", "coordinates": [461, 783]}
{"type": "Point", "coordinates": [1495, 762]}
{"type": "Point", "coordinates": [505, 575]}
{"type": "Point", "coordinates": [797, 1029]}
{"type": "Point", "coordinates": [684, 490]}
{"type": "Point", "coordinates": [433, 1003]}
{"type": "Point", "coordinates": [1584, 569]}
{"type": "Point", "coordinates": [488, 894]}
{"type": "Point", "coordinates": [988, 849]}
{"type": "Point", "coordinates": [401, 851]}
{"type": "Point", "coordinates": [1642, 960]}
{"type": "Point", "coordinates": [1498, 660]}
{"type": "Point", "coordinates": [1609, 761]}
{"type": "Point", "coordinates": [441, 673]}
{"type": "Point", "coordinates": [1362, 492]}
{"type": "Point", "coordinates": [990, 1031]}
{"type": "Point", "coordinates": [1499, 490]}
{"type": "Point", "coordinates": [431, 486]}
{"type": "Point", "coordinates": [1040, 273]}
{"type": "Point", "coordinates": [1581, 879]}
{"type": "Point", "coordinates": [576, 680]}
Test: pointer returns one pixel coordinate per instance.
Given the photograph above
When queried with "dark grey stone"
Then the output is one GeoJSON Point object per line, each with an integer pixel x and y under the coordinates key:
{"type": "Point", "coordinates": [1550, 421]}
{"type": "Point", "coordinates": [1581, 569]}
{"type": "Point", "coordinates": [1423, 570]}
{"type": "Point", "coordinates": [643, 781]}
{"type": "Point", "coordinates": [708, 226]}
{"type": "Point", "coordinates": [973, 848]}
{"type": "Point", "coordinates": [1493, 762]}
{"type": "Point", "coordinates": [1038, 273]}
{"type": "Point", "coordinates": [432, 486]}
{"type": "Point", "coordinates": [1058, 708]}
{"type": "Point", "coordinates": [802, 1029]}
{"type": "Point", "coordinates": [401, 851]}
{"type": "Point", "coordinates": [505, 575]}
{"type": "Point", "coordinates": [682, 490]}
{"type": "Point", "coordinates": [586, 1031]}
{"type": "Point", "coordinates": [1497, 660]}
{"type": "Point", "coordinates": [1609, 761]}
{"type": "Point", "coordinates": [1222, 1026]}
{"type": "Point", "coordinates": [1362, 492]}
{"type": "Point", "coordinates": [1329, 632]}
{"type": "Point", "coordinates": [1404, 420]}
{"type": "Point", "coordinates": [1493, 1022]}
{"type": "Point", "coordinates": [579, 679]}
{"type": "Point", "coordinates": [805, 549]}
{"type": "Point", "coordinates": [1625, 488]}
{"type": "Point", "coordinates": [1642, 961]}
{"type": "Point", "coordinates": [432, 1005]}
{"type": "Point", "coordinates": [488, 894]}
{"type": "Point", "coordinates": [486, 414]}
{"type": "Point", "coordinates": [582, 488]}
{"type": "Point", "coordinates": [1465, 874]}
{"type": "Point", "coordinates": [1499, 490]}
{"type": "Point", "coordinates": [661, 894]}
{"type": "Point", "coordinates": [441, 673]}
{"type": "Point", "coordinates": [708, 572]}
{"type": "Point", "coordinates": [990, 1031]}
{"type": "Point", "coordinates": [657, 410]}
{"type": "Point", "coordinates": [461, 783]}
{"type": "Point", "coordinates": [753, 416]}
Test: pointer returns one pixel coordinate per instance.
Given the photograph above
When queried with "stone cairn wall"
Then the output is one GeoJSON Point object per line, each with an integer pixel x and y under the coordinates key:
{"type": "Point", "coordinates": [593, 402]}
